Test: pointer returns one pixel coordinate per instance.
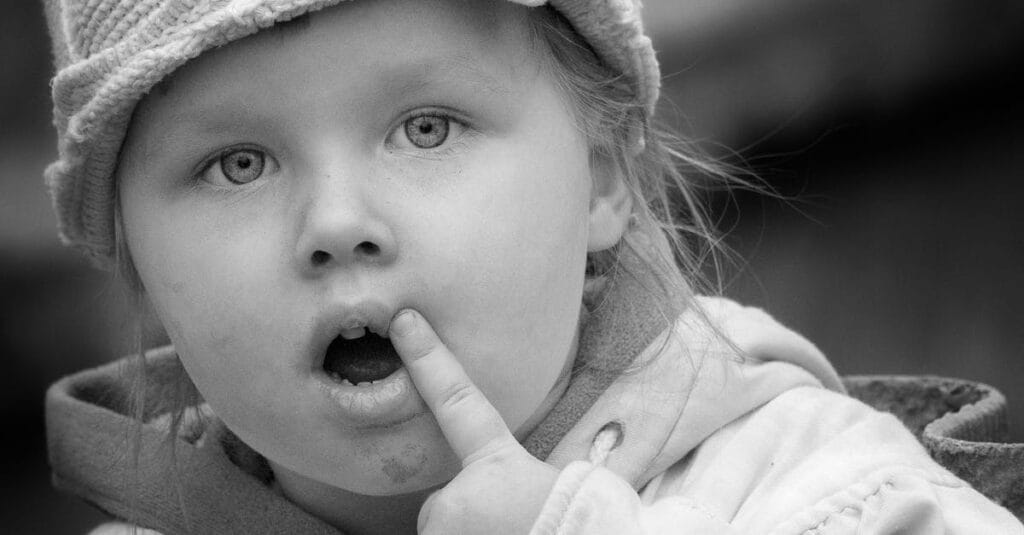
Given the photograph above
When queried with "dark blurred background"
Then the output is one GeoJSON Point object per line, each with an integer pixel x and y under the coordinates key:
{"type": "Point", "coordinates": [894, 129]}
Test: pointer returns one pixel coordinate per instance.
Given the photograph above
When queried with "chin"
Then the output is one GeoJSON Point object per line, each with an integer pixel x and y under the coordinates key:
{"type": "Point", "coordinates": [402, 459]}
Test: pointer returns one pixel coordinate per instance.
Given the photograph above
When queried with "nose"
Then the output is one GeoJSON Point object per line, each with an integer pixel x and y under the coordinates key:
{"type": "Point", "coordinates": [340, 227]}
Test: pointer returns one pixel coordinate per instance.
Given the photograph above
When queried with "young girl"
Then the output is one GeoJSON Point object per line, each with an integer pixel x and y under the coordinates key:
{"type": "Point", "coordinates": [421, 272]}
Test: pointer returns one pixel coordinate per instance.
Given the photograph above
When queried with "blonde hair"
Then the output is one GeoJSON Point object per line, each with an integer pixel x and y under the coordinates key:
{"type": "Point", "coordinates": [665, 174]}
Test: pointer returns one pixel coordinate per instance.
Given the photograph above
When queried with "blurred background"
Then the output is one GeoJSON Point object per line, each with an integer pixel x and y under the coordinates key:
{"type": "Point", "coordinates": [894, 129]}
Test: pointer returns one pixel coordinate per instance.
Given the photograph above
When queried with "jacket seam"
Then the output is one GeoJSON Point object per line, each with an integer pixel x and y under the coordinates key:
{"type": "Point", "coordinates": [858, 504]}
{"type": "Point", "coordinates": [858, 507]}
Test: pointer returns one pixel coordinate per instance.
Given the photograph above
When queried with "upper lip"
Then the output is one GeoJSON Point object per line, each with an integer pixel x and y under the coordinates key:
{"type": "Point", "coordinates": [369, 313]}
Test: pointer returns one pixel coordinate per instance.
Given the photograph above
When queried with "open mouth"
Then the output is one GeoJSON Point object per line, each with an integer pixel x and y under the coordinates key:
{"type": "Point", "coordinates": [360, 360]}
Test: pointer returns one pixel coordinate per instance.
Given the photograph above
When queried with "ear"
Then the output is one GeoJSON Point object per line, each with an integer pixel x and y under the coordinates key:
{"type": "Point", "coordinates": [611, 204]}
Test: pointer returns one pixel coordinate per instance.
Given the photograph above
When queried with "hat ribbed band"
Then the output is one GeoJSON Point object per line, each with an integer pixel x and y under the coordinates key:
{"type": "Point", "coordinates": [110, 53]}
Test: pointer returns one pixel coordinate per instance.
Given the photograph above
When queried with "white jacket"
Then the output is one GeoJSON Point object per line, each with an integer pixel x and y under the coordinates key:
{"type": "Point", "coordinates": [757, 446]}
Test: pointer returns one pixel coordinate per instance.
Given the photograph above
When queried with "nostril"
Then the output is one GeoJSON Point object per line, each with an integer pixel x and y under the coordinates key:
{"type": "Point", "coordinates": [368, 249]}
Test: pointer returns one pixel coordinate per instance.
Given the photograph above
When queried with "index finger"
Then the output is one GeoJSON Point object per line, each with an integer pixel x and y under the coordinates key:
{"type": "Point", "coordinates": [473, 427]}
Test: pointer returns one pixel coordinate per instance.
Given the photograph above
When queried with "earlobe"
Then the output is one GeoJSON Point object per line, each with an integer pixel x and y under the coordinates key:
{"type": "Point", "coordinates": [610, 207]}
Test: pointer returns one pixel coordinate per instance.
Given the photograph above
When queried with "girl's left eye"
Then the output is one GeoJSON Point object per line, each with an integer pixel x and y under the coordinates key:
{"type": "Point", "coordinates": [427, 131]}
{"type": "Point", "coordinates": [236, 166]}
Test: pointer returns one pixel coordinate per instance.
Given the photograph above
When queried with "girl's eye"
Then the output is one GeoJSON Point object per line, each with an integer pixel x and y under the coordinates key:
{"type": "Point", "coordinates": [242, 166]}
{"type": "Point", "coordinates": [427, 131]}
{"type": "Point", "coordinates": [239, 166]}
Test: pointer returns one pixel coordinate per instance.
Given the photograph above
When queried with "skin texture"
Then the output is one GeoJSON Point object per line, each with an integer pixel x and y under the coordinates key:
{"type": "Point", "coordinates": [485, 235]}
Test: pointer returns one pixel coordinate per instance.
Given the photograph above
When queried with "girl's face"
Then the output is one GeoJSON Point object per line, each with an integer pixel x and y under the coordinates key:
{"type": "Point", "coordinates": [318, 177]}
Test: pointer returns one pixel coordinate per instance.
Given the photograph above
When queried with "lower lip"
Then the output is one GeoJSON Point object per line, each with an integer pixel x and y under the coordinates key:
{"type": "Point", "coordinates": [390, 401]}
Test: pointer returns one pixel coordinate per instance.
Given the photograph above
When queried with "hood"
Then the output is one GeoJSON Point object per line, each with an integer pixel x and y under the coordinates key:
{"type": "Point", "coordinates": [190, 485]}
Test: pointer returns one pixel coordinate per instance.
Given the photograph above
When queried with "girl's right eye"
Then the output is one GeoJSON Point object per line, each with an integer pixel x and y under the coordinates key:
{"type": "Point", "coordinates": [236, 166]}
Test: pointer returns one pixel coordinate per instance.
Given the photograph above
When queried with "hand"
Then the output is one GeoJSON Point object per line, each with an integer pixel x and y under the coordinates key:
{"type": "Point", "coordinates": [501, 487]}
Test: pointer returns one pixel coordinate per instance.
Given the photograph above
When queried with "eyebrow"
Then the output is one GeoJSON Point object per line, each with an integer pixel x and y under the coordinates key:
{"type": "Point", "coordinates": [415, 76]}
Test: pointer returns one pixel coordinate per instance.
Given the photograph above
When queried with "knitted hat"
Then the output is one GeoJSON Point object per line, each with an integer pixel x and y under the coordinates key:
{"type": "Point", "coordinates": [110, 53]}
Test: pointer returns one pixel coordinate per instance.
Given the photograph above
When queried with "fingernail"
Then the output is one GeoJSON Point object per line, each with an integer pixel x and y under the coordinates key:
{"type": "Point", "coordinates": [403, 324]}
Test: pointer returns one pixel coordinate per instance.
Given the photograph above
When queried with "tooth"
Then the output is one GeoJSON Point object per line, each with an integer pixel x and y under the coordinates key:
{"type": "Point", "coordinates": [346, 382]}
{"type": "Point", "coordinates": [353, 333]}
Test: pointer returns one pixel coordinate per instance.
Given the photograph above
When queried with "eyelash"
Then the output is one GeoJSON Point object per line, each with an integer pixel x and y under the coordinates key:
{"type": "Point", "coordinates": [452, 143]}
{"type": "Point", "coordinates": [215, 158]}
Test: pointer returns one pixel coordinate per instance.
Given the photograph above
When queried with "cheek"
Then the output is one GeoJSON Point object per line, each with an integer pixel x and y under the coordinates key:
{"type": "Point", "coordinates": [198, 261]}
{"type": "Point", "coordinates": [516, 257]}
{"type": "Point", "coordinates": [217, 314]}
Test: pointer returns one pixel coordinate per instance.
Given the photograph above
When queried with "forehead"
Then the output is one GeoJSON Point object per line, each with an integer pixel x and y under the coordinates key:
{"type": "Point", "coordinates": [471, 40]}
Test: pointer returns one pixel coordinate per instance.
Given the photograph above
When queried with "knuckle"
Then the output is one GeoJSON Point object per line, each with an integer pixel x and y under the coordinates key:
{"type": "Point", "coordinates": [457, 396]}
{"type": "Point", "coordinates": [493, 454]}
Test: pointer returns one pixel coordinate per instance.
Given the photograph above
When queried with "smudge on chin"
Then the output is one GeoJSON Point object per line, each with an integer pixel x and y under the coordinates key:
{"type": "Point", "coordinates": [403, 467]}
